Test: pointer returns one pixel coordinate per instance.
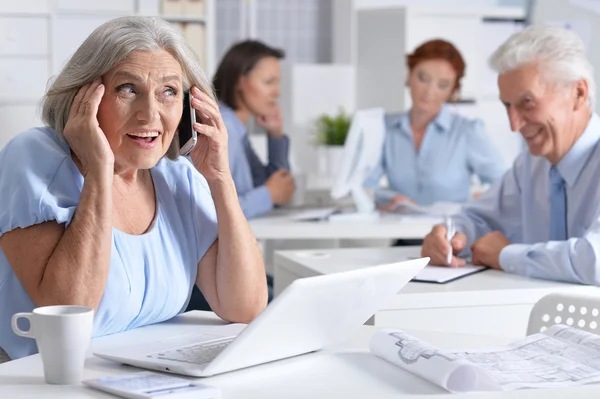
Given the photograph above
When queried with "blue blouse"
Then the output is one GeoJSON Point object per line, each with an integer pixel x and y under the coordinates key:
{"type": "Point", "coordinates": [151, 275]}
{"type": "Point", "coordinates": [453, 149]}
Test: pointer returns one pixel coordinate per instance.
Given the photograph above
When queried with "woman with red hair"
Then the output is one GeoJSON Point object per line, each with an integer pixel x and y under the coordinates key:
{"type": "Point", "coordinates": [431, 153]}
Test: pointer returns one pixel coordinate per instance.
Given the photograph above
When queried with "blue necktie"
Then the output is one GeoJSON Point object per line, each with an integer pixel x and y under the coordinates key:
{"type": "Point", "coordinates": [558, 206]}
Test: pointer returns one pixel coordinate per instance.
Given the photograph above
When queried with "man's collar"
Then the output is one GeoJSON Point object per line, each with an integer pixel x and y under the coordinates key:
{"type": "Point", "coordinates": [571, 165]}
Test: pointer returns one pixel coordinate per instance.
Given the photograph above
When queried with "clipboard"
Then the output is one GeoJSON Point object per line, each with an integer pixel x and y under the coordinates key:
{"type": "Point", "coordinates": [445, 274]}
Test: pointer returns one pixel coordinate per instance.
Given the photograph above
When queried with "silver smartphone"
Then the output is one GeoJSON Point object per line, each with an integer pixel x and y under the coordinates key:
{"type": "Point", "coordinates": [187, 134]}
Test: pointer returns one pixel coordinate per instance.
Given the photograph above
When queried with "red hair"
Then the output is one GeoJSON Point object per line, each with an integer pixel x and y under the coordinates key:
{"type": "Point", "coordinates": [439, 50]}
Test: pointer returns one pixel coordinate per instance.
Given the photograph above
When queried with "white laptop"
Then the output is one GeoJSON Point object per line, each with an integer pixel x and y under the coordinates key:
{"type": "Point", "coordinates": [308, 315]}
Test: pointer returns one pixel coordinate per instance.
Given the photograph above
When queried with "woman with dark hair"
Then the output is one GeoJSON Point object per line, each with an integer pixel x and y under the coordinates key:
{"type": "Point", "coordinates": [430, 153]}
{"type": "Point", "coordinates": [247, 85]}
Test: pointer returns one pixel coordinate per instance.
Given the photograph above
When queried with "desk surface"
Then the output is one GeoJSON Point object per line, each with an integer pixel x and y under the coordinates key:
{"type": "Point", "coordinates": [345, 371]}
{"type": "Point", "coordinates": [489, 287]}
{"type": "Point", "coordinates": [279, 225]}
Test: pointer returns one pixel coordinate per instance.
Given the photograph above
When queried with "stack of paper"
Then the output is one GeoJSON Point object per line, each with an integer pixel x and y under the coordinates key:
{"type": "Point", "coordinates": [562, 356]}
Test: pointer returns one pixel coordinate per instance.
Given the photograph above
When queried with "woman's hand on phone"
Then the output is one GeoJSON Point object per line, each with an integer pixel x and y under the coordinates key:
{"type": "Point", "coordinates": [83, 133]}
{"type": "Point", "coordinates": [210, 153]}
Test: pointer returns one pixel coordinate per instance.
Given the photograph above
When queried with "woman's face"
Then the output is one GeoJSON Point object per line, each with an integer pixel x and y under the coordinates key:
{"type": "Point", "coordinates": [431, 84]}
{"type": "Point", "coordinates": [141, 108]}
{"type": "Point", "coordinates": [259, 89]}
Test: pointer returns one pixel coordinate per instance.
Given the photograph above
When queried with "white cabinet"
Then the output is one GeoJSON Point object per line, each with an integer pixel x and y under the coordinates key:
{"type": "Point", "coordinates": [22, 80]}
{"type": "Point", "coordinates": [24, 63]}
{"type": "Point", "coordinates": [70, 32]}
{"type": "Point", "coordinates": [25, 6]}
{"type": "Point", "coordinates": [24, 36]}
{"type": "Point", "coordinates": [16, 119]}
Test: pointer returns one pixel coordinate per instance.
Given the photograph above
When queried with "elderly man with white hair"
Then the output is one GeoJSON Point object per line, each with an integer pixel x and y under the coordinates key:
{"type": "Point", "coordinates": [542, 219]}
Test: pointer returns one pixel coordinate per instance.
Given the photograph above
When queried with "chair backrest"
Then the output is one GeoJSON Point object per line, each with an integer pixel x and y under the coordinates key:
{"type": "Point", "coordinates": [581, 311]}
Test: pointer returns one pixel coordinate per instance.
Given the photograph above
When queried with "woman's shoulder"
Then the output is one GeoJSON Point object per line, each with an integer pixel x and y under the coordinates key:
{"type": "Point", "coordinates": [179, 171]}
{"type": "Point", "coordinates": [39, 181]}
{"type": "Point", "coordinates": [38, 139]}
{"type": "Point", "coordinates": [394, 119]}
{"type": "Point", "coordinates": [235, 127]}
{"type": "Point", "coordinates": [38, 151]}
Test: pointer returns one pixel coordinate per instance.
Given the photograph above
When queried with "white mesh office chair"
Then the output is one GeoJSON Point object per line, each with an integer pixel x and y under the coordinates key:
{"type": "Point", "coordinates": [581, 311]}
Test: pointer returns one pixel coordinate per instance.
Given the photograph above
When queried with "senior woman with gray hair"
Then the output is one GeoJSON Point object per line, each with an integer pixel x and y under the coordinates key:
{"type": "Point", "coordinates": [97, 210]}
{"type": "Point", "coordinates": [543, 219]}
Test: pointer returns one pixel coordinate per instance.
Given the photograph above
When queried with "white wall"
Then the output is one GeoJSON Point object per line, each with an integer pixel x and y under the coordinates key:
{"type": "Point", "coordinates": [582, 21]}
{"type": "Point", "coordinates": [310, 91]}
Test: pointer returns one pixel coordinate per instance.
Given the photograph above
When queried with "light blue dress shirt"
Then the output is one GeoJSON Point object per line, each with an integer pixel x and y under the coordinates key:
{"type": "Point", "coordinates": [249, 173]}
{"type": "Point", "coordinates": [453, 149]}
{"type": "Point", "coordinates": [151, 275]}
{"type": "Point", "coordinates": [519, 207]}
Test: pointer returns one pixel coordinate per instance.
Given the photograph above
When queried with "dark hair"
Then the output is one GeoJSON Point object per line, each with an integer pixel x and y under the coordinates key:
{"type": "Point", "coordinates": [239, 60]}
{"type": "Point", "coordinates": [439, 50]}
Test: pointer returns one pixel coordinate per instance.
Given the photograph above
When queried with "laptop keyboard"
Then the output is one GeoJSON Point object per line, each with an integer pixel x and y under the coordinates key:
{"type": "Point", "coordinates": [196, 354]}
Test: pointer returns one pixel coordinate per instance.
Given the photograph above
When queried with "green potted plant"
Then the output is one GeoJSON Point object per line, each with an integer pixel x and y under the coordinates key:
{"type": "Point", "coordinates": [330, 134]}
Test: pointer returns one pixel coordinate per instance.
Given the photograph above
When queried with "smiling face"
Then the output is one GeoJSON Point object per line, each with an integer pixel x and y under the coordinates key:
{"type": "Point", "coordinates": [431, 83]}
{"type": "Point", "coordinates": [141, 108]}
{"type": "Point", "coordinates": [259, 89]}
{"type": "Point", "coordinates": [543, 113]}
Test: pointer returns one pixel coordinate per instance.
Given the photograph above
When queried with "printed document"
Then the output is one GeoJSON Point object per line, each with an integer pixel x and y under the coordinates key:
{"type": "Point", "coordinates": [561, 356]}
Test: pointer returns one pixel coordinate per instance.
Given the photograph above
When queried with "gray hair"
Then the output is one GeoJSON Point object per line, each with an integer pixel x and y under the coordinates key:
{"type": "Point", "coordinates": [559, 51]}
{"type": "Point", "coordinates": [110, 44]}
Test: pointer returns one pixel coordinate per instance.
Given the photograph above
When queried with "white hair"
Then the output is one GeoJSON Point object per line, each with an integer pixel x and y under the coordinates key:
{"type": "Point", "coordinates": [110, 44]}
{"type": "Point", "coordinates": [560, 52]}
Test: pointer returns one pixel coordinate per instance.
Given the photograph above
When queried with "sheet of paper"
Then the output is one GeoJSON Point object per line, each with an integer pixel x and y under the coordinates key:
{"type": "Point", "coordinates": [442, 368]}
{"type": "Point", "coordinates": [437, 209]}
{"type": "Point", "coordinates": [313, 214]}
{"type": "Point", "coordinates": [562, 356]}
{"type": "Point", "coordinates": [444, 274]}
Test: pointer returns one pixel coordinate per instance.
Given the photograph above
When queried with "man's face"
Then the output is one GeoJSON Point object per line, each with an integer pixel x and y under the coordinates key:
{"type": "Point", "coordinates": [543, 113]}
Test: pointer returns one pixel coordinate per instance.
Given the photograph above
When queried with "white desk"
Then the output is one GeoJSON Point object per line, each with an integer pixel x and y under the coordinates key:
{"type": "Point", "coordinates": [345, 371]}
{"type": "Point", "coordinates": [278, 225]}
{"type": "Point", "coordinates": [277, 231]}
{"type": "Point", "coordinates": [488, 303]}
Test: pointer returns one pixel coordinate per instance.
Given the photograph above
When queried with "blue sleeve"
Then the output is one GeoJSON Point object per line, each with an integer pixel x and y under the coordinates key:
{"type": "Point", "coordinates": [38, 183]}
{"type": "Point", "coordinates": [256, 202]}
{"type": "Point", "coordinates": [576, 260]}
{"type": "Point", "coordinates": [498, 209]}
{"type": "Point", "coordinates": [278, 159]}
{"type": "Point", "coordinates": [483, 157]}
{"type": "Point", "coordinates": [278, 154]}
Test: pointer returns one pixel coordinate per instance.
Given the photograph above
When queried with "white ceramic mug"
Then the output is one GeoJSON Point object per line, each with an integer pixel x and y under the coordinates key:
{"type": "Point", "coordinates": [63, 335]}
